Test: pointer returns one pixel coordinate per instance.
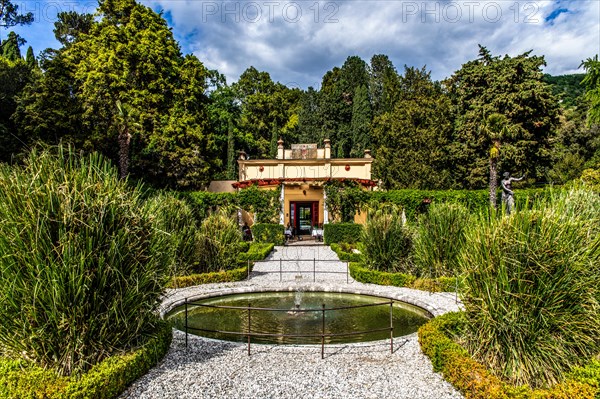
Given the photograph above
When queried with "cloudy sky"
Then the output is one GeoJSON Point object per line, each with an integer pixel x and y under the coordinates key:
{"type": "Point", "coordinates": [298, 41]}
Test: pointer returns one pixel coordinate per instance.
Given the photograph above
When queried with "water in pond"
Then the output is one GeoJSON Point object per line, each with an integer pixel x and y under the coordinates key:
{"type": "Point", "coordinates": [295, 319]}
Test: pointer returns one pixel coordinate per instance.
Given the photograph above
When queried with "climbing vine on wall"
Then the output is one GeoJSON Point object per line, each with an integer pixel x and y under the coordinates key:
{"type": "Point", "coordinates": [264, 204]}
{"type": "Point", "coordinates": [343, 199]}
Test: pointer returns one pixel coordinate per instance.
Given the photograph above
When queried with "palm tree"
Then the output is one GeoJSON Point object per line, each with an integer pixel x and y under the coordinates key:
{"type": "Point", "coordinates": [124, 125]}
{"type": "Point", "coordinates": [495, 127]}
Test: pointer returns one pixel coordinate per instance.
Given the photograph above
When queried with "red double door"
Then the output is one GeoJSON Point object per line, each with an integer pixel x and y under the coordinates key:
{"type": "Point", "coordinates": [304, 215]}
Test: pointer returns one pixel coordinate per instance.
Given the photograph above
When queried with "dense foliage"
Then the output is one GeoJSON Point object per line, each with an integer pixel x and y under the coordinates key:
{"type": "Point", "coordinates": [174, 217]}
{"type": "Point", "coordinates": [81, 266]}
{"type": "Point", "coordinates": [344, 199]}
{"type": "Point", "coordinates": [263, 204]}
{"type": "Point", "coordinates": [440, 238]}
{"type": "Point", "coordinates": [219, 242]}
{"type": "Point", "coordinates": [531, 292]}
{"type": "Point", "coordinates": [342, 232]}
{"type": "Point", "coordinates": [412, 139]}
{"type": "Point", "coordinates": [106, 380]}
{"type": "Point", "coordinates": [369, 276]}
{"type": "Point", "coordinates": [438, 340]}
{"type": "Point", "coordinates": [509, 86]}
{"type": "Point", "coordinates": [387, 241]}
{"type": "Point", "coordinates": [268, 233]}
{"type": "Point", "coordinates": [120, 85]}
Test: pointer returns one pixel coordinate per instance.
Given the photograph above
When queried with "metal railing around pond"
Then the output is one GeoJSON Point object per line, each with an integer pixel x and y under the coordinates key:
{"type": "Point", "coordinates": [249, 334]}
{"type": "Point", "coordinates": [314, 270]}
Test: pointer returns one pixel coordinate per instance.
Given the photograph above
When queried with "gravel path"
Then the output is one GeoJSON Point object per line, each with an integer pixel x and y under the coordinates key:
{"type": "Point", "coordinates": [217, 369]}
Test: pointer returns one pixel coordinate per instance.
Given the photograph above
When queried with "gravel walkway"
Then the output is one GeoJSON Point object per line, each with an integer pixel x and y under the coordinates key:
{"type": "Point", "coordinates": [217, 369]}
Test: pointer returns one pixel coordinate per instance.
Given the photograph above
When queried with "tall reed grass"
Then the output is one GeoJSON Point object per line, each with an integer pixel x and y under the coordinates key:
{"type": "Point", "coordinates": [531, 291]}
{"type": "Point", "coordinates": [81, 265]}
{"type": "Point", "coordinates": [175, 218]}
{"type": "Point", "coordinates": [387, 241]}
{"type": "Point", "coordinates": [220, 242]}
{"type": "Point", "coordinates": [439, 239]}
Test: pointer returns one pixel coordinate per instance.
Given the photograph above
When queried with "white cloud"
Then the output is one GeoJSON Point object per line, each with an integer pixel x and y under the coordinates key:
{"type": "Point", "coordinates": [297, 42]}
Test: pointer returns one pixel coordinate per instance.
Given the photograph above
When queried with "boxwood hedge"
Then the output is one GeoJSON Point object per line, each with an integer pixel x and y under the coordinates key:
{"type": "Point", "coordinates": [106, 380]}
{"type": "Point", "coordinates": [475, 381]}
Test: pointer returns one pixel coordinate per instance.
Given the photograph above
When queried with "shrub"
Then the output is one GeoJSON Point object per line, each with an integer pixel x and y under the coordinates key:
{"type": "Point", "coordinates": [531, 289]}
{"type": "Point", "coordinates": [81, 273]}
{"type": "Point", "coordinates": [204, 203]}
{"type": "Point", "coordinates": [438, 341]}
{"type": "Point", "coordinates": [220, 241]}
{"type": "Point", "coordinates": [257, 251]}
{"type": "Point", "coordinates": [263, 203]}
{"type": "Point", "coordinates": [223, 276]}
{"type": "Point", "coordinates": [366, 275]}
{"type": "Point", "coordinates": [345, 253]}
{"type": "Point", "coordinates": [106, 380]}
{"type": "Point", "coordinates": [474, 200]}
{"type": "Point", "coordinates": [268, 232]}
{"type": "Point", "coordinates": [440, 238]}
{"type": "Point", "coordinates": [341, 232]}
{"type": "Point", "coordinates": [387, 242]}
{"type": "Point", "coordinates": [174, 217]}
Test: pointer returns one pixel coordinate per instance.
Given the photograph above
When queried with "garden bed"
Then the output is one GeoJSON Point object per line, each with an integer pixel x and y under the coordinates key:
{"type": "Point", "coordinates": [106, 380]}
{"type": "Point", "coordinates": [256, 252]}
{"type": "Point", "coordinates": [365, 275]}
{"type": "Point", "coordinates": [476, 382]}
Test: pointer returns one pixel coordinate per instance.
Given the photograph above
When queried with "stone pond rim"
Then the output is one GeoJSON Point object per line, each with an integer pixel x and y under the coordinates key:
{"type": "Point", "coordinates": [425, 309]}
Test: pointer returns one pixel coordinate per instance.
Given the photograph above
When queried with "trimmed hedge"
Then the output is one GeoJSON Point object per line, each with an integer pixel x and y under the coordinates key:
{"type": "Point", "coordinates": [342, 232]}
{"type": "Point", "coordinates": [343, 255]}
{"type": "Point", "coordinates": [474, 200]}
{"type": "Point", "coordinates": [257, 251]}
{"type": "Point", "coordinates": [365, 275]}
{"type": "Point", "coordinates": [268, 233]}
{"type": "Point", "coordinates": [224, 276]}
{"type": "Point", "coordinates": [476, 382]}
{"type": "Point", "coordinates": [106, 380]}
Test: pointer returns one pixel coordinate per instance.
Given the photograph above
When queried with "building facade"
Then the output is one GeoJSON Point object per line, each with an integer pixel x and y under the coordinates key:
{"type": "Point", "coordinates": [301, 172]}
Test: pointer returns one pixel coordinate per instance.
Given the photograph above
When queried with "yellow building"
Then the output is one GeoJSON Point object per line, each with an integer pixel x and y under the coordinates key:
{"type": "Point", "coordinates": [301, 172]}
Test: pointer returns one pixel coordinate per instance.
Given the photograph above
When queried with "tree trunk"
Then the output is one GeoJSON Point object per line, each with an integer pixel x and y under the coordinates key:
{"type": "Point", "coordinates": [124, 142]}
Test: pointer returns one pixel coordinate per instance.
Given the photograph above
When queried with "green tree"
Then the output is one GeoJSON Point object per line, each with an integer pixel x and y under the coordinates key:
{"type": "Point", "coordinates": [71, 25]}
{"type": "Point", "coordinates": [361, 122]}
{"type": "Point", "coordinates": [592, 84]}
{"type": "Point", "coordinates": [336, 103]}
{"type": "Point", "coordinates": [384, 84]}
{"type": "Point", "coordinates": [47, 110]}
{"type": "Point", "coordinates": [308, 118]}
{"type": "Point", "coordinates": [130, 57]}
{"type": "Point", "coordinates": [511, 86]}
{"type": "Point", "coordinates": [224, 114]}
{"type": "Point", "coordinates": [411, 141]}
{"type": "Point", "coordinates": [268, 110]}
{"type": "Point", "coordinates": [14, 76]}
{"type": "Point", "coordinates": [30, 58]}
{"type": "Point", "coordinates": [11, 47]}
{"type": "Point", "coordinates": [9, 15]}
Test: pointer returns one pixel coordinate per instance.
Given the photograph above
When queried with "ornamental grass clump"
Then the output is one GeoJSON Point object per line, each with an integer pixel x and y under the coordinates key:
{"type": "Point", "coordinates": [387, 241]}
{"type": "Point", "coordinates": [81, 271]}
{"type": "Point", "coordinates": [531, 290]}
{"type": "Point", "coordinates": [220, 242]}
{"type": "Point", "coordinates": [175, 218]}
{"type": "Point", "coordinates": [439, 239]}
